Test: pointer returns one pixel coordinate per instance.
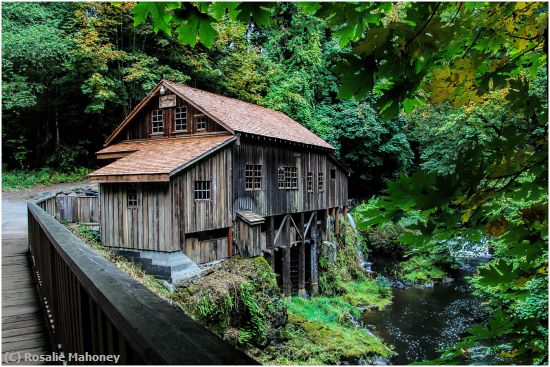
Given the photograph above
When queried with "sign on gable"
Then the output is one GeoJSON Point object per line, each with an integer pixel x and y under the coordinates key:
{"type": "Point", "coordinates": [167, 101]}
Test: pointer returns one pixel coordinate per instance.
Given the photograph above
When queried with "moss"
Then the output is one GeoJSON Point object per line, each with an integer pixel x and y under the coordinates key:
{"type": "Point", "coordinates": [240, 302]}
{"type": "Point", "coordinates": [319, 331]}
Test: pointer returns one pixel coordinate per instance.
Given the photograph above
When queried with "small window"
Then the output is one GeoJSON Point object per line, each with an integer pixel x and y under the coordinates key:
{"type": "Point", "coordinates": [157, 122]}
{"type": "Point", "coordinates": [321, 182]}
{"type": "Point", "coordinates": [253, 177]}
{"type": "Point", "coordinates": [310, 181]}
{"type": "Point", "coordinates": [201, 122]}
{"type": "Point", "coordinates": [332, 174]}
{"type": "Point", "coordinates": [181, 119]}
{"type": "Point", "coordinates": [202, 190]}
{"type": "Point", "coordinates": [131, 195]}
{"type": "Point", "coordinates": [288, 178]}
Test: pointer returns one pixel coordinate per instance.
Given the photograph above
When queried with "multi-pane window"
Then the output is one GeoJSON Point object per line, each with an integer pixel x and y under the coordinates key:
{"type": "Point", "coordinates": [202, 190]}
{"type": "Point", "coordinates": [157, 121]}
{"type": "Point", "coordinates": [131, 195]}
{"type": "Point", "coordinates": [180, 119]}
{"type": "Point", "coordinates": [253, 177]}
{"type": "Point", "coordinates": [288, 178]}
{"type": "Point", "coordinates": [201, 122]}
{"type": "Point", "coordinates": [320, 182]}
{"type": "Point", "coordinates": [310, 181]}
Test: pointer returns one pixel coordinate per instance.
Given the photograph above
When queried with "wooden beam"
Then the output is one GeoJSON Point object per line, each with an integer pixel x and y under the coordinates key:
{"type": "Point", "coordinates": [298, 230]}
{"type": "Point", "coordinates": [230, 241]}
{"type": "Point", "coordinates": [270, 240]}
{"type": "Point", "coordinates": [286, 261]}
{"type": "Point", "coordinates": [302, 260]}
{"type": "Point", "coordinates": [314, 270]}
{"type": "Point", "coordinates": [279, 230]}
{"type": "Point", "coordinates": [337, 221]}
{"type": "Point", "coordinates": [309, 224]}
{"type": "Point", "coordinates": [129, 178]}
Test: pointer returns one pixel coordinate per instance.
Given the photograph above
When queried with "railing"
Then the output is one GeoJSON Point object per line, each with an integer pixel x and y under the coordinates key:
{"type": "Point", "coordinates": [96, 308]}
{"type": "Point", "coordinates": [81, 209]}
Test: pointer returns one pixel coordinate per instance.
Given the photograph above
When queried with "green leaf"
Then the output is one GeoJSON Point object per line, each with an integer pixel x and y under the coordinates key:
{"type": "Point", "coordinates": [260, 12]}
{"type": "Point", "coordinates": [160, 17]}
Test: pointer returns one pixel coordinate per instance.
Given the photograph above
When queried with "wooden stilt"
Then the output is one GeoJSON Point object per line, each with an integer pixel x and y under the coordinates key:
{"type": "Point", "coordinates": [270, 240]}
{"type": "Point", "coordinates": [286, 261]}
{"type": "Point", "coordinates": [230, 241]}
{"type": "Point", "coordinates": [337, 221]}
{"type": "Point", "coordinates": [302, 259]}
{"type": "Point", "coordinates": [314, 271]}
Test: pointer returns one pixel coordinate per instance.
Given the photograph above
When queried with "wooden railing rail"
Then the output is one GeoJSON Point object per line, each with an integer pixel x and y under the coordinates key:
{"type": "Point", "coordinates": [96, 308]}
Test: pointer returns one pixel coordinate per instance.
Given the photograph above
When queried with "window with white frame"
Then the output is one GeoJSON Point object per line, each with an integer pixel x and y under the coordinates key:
{"type": "Point", "coordinates": [180, 119]}
{"type": "Point", "coordinates": [320, 182]}
{"type": "Point", "coordinates": [157, 123]}
{"type": "Point", "coordinates": [200, 122]}
{"type": "Point", "coordinates": [202, 190]}
{"type": "Point", "coordinates": [288, 178]}
{"type": "Point", "coordinates": [253, 177]}
{"type": "Point", "coordinates": [310, 182]}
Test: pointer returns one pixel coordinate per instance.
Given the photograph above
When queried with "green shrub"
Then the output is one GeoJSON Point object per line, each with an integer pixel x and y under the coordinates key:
{"type": "Point", "coordinates": [420, 269]}
{"type": "Point", "coordinates": [13, 180]}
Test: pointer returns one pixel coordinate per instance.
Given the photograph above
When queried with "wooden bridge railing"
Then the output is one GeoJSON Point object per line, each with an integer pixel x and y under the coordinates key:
{"type": "Point", "coordinates": [96, 308]}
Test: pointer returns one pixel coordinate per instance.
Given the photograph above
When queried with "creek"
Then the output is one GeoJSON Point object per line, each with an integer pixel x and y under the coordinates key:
{"type": "Point", "coordinates": [420, 321]}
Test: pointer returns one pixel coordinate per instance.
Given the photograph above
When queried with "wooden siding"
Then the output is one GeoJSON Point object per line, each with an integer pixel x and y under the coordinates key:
{"type": "Point", "coordinates": [140, 127]}
{"type": "Point", "coordinates": [144, 227]}
{"type": "Point", "coordinates": [205, 251]}
{"type": "Point", "coordinates": [271, 200]}
{"type": "Point", "coordinates": [251, 240]}
{"type": "Point", "coordinates": [81, 209]}
{"type": "Point", "coordinates": [190, 215]}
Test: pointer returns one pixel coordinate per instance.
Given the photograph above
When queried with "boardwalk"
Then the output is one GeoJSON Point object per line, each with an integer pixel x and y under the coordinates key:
{"type": "Point", "coordinates": [23, 325]}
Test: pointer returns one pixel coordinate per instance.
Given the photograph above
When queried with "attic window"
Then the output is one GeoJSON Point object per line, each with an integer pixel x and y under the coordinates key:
{"type": "Point", "coordinates": [201, 122]}
{"type": "Point", "coordinates": [181, 119]}
{"type": "Point", "coordinates": [253, 177]}
{"type": "Point", "coordinates": [202, 190]}
{"type": "Point", "coordinates": [288, 178]}
{"type": "Point", "coordinates": [157, 124]}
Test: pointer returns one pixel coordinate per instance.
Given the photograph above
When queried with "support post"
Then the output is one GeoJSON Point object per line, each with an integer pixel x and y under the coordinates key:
{"type": "Point", "coordinates": [314, 274]}
{"type": "Point", "coordinates": [286, 261]}
{"type": "Point", "coordinates": [230, 242]}
{"type": "Point", "coordinates": [337, 221]}
{"type": "Point", "coordinates": [270, 240]}
{"type": "Point", "coordinates": [302, 259]}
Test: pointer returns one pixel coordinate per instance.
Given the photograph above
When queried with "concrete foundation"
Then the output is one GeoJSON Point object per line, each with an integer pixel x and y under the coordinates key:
{"type": "Point", "coordinates": [170, 266]}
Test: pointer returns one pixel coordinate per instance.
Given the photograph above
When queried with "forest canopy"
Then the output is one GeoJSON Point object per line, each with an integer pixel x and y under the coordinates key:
{"type": "Point", "coordinates": [438, 108]}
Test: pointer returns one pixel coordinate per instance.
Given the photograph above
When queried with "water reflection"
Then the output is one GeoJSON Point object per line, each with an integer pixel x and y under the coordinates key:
{"type": "Point", "coordinates": [421, 321]}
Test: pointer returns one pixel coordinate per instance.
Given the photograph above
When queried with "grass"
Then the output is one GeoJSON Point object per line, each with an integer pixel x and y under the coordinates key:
{"type": "Point", "coordinates": [18, 179]}
{"type": "Point", "coordinates": [319, 332]}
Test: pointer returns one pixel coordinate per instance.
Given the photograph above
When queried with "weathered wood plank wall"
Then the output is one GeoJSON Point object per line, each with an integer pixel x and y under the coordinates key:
{"type": "Point", "coordinates": [147, 226]}
{"type": "Point", "coordinates": [190, 215]}
{"type": "Point", "coordinates": [76, 209]}
{"type": "Point", "coordinates": [274, 201]}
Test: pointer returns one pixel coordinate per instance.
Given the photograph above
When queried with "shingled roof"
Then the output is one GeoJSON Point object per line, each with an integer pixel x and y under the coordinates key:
{"type": "Point", "coordinates": [157, 159]}
{"type": "Point", "coordinates": [239, 116]}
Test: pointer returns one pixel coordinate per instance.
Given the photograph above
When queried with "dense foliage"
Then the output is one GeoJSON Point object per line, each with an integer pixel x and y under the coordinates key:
{"type": "Point", "coordinates": [468, 161]}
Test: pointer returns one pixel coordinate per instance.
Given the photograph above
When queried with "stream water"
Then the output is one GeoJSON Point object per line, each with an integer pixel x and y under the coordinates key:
{"type": "Point", "coordinates": [421, 321]}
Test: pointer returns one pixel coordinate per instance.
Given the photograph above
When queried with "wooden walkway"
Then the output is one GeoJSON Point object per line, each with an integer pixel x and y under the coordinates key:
{"type": "Point", "coordinates": [23, 323]}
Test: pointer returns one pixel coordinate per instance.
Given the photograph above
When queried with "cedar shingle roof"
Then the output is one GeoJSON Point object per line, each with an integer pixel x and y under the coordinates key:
{"type": "Point", "coordinates": [158, 156]}
{"type": "Point", "coordinates": [247, 117]}
{"type": "Point", "coordinates": [250, 217]}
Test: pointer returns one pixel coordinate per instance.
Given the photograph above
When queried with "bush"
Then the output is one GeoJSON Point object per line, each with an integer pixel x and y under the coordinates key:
{"type": "Point", "coordinates": [420, 269]}
{"type": "Point", "coordinates": [17, 179]}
